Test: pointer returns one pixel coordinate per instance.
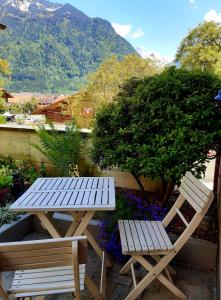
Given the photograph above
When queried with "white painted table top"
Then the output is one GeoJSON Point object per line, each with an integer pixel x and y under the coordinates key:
{"type": "Point", "coordinates": [68, 194]}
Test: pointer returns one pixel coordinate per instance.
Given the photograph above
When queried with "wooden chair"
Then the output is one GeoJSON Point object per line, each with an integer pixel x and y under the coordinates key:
{"type": "Point", "coordinates": [45, 267]}
{"type": "Point", "coordinates": [149, 238]}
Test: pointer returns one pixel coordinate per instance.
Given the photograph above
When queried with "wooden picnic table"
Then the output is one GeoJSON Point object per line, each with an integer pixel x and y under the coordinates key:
{"type": "Point", "coordinates": [81, 197]}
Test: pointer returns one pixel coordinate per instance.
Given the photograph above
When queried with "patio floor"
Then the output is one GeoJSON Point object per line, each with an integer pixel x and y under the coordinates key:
{"type": "Point", "coordinates": [197, 284]}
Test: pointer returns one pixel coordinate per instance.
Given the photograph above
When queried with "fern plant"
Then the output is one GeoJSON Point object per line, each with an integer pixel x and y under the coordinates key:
{"type": "Point", "coordinates": [61, 148]}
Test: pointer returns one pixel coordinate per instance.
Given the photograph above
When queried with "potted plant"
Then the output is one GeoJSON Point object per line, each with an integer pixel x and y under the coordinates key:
{"type": "Point", "coordinates": [5, 180]}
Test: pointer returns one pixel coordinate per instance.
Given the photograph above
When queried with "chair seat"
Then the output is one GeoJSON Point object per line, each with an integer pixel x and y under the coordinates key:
{"type": "Point", "coordinates": [45, 281]}
{"type": "Point", "coordinates": [144, 237]}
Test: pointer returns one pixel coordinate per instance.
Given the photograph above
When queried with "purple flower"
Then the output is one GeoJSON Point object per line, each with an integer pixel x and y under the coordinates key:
{"type": "Point", "coordinates": [129, 206]}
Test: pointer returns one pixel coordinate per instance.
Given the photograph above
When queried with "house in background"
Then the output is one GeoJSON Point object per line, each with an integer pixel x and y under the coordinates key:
{"type": "Point", "coordinates": [5, 95]}
{"type": "Point", "coordinates": [41, 99]}
{"type": "Point", "coordinates": [54, 111]}
{"type": "Point", "coordinates": [2, 26]}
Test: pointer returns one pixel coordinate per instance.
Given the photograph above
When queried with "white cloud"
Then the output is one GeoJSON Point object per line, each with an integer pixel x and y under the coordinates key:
{"type": "Point", "coordinates": [121, 29]}
{"type": "Point", "coordinates": [145, 53]}
{"type": "Point", "coordinates": [193, 3]}
{"type": "Point", "coordinates": [138, 33]}
{"type": "Point", "coordinates": [212, 15]}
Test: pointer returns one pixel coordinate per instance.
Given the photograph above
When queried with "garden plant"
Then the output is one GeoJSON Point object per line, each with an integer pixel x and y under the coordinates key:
{"type": "Point", "coordinates": [160, 127]}
{"type": "Point", "coordinates": [63, 149]}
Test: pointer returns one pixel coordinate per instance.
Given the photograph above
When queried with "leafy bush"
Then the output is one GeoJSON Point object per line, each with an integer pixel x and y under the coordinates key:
{"type": "Point", "coordinates": [6, 216]}
{"type": "Point", "coordinates": [61, 148]}
{"type": "Point", "coordinates": [129, 206]}
{"type": "Point", "coordinates": [5, 177]}
{"type": "Point", "coordinates": [160, 127]}
{"type": "Point", "coordinates": [2, 120]}
{"type": "Point", "coordinates": [25, 168]}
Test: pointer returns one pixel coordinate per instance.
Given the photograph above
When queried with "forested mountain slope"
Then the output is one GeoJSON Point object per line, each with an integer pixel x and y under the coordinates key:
{"type": "Point", "coordinates": [51, 47]}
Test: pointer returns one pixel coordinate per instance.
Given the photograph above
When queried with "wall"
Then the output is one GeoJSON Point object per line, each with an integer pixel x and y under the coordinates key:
{"type": "Point", "coordinates": [15, 141]}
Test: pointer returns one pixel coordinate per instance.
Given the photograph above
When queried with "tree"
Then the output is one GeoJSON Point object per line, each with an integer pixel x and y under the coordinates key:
{"type": "Point", "coordinates": [159, 127]}
{"type": "Point", "coordinates": [30, 106]}
{"type": "Point", "coordinates": [4, 71]}
{"type": "Point", "coordinates": [104, 84]}
{"type": "Point", "coordinates": [201, 48]}
{"type": "Point", "coordinates": [3, 106]}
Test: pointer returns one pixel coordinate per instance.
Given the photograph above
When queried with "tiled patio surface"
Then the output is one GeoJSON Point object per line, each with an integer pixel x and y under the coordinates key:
{"type": "Point", "coordinates": [197, 284]}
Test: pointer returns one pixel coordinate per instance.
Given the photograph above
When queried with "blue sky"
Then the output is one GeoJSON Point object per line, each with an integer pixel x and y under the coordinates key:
{"type": "Point", "coordinates": [152, 25]}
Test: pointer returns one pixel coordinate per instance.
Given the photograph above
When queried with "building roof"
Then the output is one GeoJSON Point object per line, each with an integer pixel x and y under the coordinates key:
{"type": "Point", "coordinates": [5, 94]}
{"type": "Point", "coordinates": [50, 106]}
{"type": "Point", "coordinates": [2, 26]}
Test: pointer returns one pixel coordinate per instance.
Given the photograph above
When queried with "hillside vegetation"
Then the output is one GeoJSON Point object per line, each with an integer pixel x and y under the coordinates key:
{"type": "Point", "coordinates": [52, 52]}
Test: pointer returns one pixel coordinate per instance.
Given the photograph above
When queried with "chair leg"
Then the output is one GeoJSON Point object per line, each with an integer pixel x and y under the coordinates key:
{"type": "Point", "coordinates": [127, 266]}
{"type": "Point", "coordinates": [154, 272]}
{"type": "Point", "coordinates": [3, 294]}
{"type": "Point", "coordinates": [92, 288]}
{"type": "Point", "coordinates": [103, 275]}
{"type": "Point", "coordinates": [134, 278]}
{"type": "Point", "coordinates": [157, 258]}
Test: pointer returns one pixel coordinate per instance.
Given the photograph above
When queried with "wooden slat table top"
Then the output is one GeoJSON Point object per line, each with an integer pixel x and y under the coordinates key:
{"type": "Point", "coordinates": [68, 193]}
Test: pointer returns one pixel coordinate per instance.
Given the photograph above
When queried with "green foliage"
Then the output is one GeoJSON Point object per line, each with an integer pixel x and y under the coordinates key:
{"type": "Point", "coordinates": [6, 216]}
{"type": "Point", "coordinates": [61, 148]}
{"type": "Point", "coordinates": [26, 168]}
{"type": "Point", "coordinates": [2, 120]}
{"type": "Point", "coordinates": [3, 105]}
{"type": "Point", "coordinates": [4, 71]}
{"type": "Point", "coordinates": [53, 54]}
{"type": "Point", "coordinates": [5, 177]}
{"type": "Point", "coordinates": [201, 49]}
{"type": "Point", "coordinates": [159, 127]}
{"type": "Point", "coordinates": [30, 106]}
{"type": "Point", "coordinates": [22, 108]}
{"type": "Point", "coordinates": [104, 84]}
{"type": "Point", "coordinates": [16, 108]}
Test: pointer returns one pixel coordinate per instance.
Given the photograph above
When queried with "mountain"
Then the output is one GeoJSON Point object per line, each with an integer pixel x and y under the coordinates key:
{"type": "Point", "coordinates": [161, 61]}
{"type": "Point", "coordinates": [51, 47]}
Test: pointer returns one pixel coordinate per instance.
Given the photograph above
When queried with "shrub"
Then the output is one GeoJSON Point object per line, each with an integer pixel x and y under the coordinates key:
{"type": "Point", "coordinates": [6, 216]}
{"type": "Point", "coordinates": [160, 127]}
{"type": "Point", "coordinates": [2, 120]}
{"type": "Point", "coordinates": [61, 148]}
{"type": "Point", "coordinates": [5, 177]}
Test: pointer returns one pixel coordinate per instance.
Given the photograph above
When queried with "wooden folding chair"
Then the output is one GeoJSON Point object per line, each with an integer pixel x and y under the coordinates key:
{"type": "Point", "coordinates": [46, 267]}
{"type": "Point", "coordinates": [149, 238]}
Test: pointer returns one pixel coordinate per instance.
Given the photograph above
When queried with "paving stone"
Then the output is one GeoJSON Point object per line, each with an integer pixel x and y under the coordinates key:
{"type": "Point", "coordinates": [208, 293]}
{"type": "Point", "coordinates": [109, 289]}
{"type": "Point", "coordinates": [163, 294]}
{"type": "Point", "coordinates": [121, 279]}
{"type": "Point", "coordinates": [120, 291]}
{"type": "Point", "coordinates": [196, 283]}
{"type": "Point", "coordinates": [193, 289]}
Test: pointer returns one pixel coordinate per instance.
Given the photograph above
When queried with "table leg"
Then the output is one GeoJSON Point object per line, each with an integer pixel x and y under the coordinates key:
{"type": "Point", "coordinates": [96, 247]}
{"type": "Point", "coordinates": [48, 225]}
{"type": "Point", "coordinates": [76, 221]}
{"type": "Point", "coordinates": [84, 223]}
{"type": "Point", "coordinates": [81, 228]}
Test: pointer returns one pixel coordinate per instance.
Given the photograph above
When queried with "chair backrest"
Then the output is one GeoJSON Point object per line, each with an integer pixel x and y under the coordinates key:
{"type": "Point", "coordinates": [199, 197]}
{"type": "Point", "coordinates": [41, 254]}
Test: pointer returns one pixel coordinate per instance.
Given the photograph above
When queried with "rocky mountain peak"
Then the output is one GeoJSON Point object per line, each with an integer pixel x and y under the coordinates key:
{"type": "Point", "coordinates": [31, 6]}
